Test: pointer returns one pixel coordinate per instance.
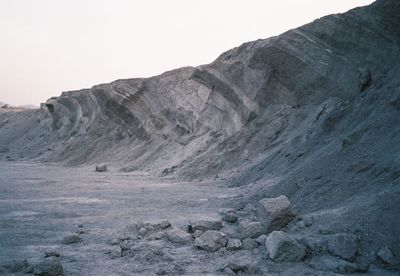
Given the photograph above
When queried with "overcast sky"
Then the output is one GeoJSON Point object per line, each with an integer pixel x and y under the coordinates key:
{"type": "Point", "coordinates": [50, 46]}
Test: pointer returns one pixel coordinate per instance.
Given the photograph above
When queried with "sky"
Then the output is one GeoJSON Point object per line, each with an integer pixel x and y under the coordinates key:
{"type": "Point", "coordinates": [51, 46]}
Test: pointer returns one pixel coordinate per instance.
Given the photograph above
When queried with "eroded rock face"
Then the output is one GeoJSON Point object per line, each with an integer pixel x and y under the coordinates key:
{"type": "Point", "coordinates": [284, 248]}
{"type": "Point", "coordinates": [211, 241]}
{"type": "Point", "coordinates": [274, 213]}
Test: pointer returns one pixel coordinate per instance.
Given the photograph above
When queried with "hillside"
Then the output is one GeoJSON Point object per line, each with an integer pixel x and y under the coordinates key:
{"type": "Point", "coordinates": [312, 114]}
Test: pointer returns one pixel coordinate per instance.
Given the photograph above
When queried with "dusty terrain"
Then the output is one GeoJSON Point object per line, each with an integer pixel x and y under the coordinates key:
{"type": "Point", "coordinates": [308, 120]}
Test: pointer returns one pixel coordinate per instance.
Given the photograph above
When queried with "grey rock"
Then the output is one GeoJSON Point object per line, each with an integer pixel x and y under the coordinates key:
{"type": "Point", "coordinates": [343, 245]}
{"type": "Point", "coordinates": [176, 235]}
{"type": "Point", "coordinates": [49, 254]}
{"type": "Point", "coordinates": [49, 267]}
{"type": "Point", "coordinates": [331, 263]}
{"type": "Point", "coordinates": [116, 253]}
{"type": "Point", "coordinates": [274, 213]}
{"type": "Point", "coordinates": [261, 239]}
{"type": "Point", "coordinates": [234, 244]}
{"type": "Point", "coordinates": [284, 248]}
{"type": "Point", "coordinates": [230, 217]}
{"type": "Point", "coordinates": [71, 239]}
{"type": "Point", "coordinates": [114, 241]}
{"type": "Point", "coordinates": [101, 168]}
{"type": "Point", "coordinates": [250, 230]}
{"type": "Point", "coordinates": [249, 244]}
{"type": "Point", "coordinates": [211, 241]}
{"type": "Point", "coordinates": [206, 224]}
{"type": "Point", "coordinates": [386, 256]}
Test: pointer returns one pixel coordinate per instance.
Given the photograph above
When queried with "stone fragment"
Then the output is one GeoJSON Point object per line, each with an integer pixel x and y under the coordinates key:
{"type": "Point", "coordinates": [211, 241]}
{"type": "Point", "coordinates": [230, 217]}
{"type": "Point", "coordinates": [49, 267]}
{"type": "Point", "coordinates": [206, 224]}
{"type": "Point", "coordinates": [49, 254]}
{"type": "Point", "coordinates": [178, 236]}
{"type": "Point", "coordinates": [274, 213]}
{"type": "Point", "coordinates": [251, 230]}
{"type": "Point", "coordinates": [331, 263]}
{"type": "Point", "coordinates": [71, 239]}
{"type": "Point", "coordinates": [101, 168]}
{"type": "Point", "coordinates": [284, 248]}
{"type": "Point", "coordinates": [386, 256]}
{"type": "Point", "coordinates": [234, 244]}
{"type": "Point", "coordinates": [343, 245]}
{"type": "Point", "coordinates": [249, 244]}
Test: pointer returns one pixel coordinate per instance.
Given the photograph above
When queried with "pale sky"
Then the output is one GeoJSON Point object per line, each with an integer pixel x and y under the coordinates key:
{"type": "Point", "coordinates": [51, 46]}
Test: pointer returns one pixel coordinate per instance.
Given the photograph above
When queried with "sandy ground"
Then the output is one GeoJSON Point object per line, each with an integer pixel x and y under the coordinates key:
{"type": "Point", "coordinates": [41, 204]}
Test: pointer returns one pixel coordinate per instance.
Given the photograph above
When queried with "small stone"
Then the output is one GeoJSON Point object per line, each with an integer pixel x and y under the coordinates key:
{"type": "Point", "coordinates": [71, 239]}
{"type": "Point", "coordinates": [283, 248]}
{"type": "Point", "coordinates": [251, 230]}
{"type": "Point", "coordinates": [386, 256]}
{"type": "Point", "coordinates": [249, 244]}
{"type": "Point", "coordinates": [234, 244]}
{"type": "Point", "coordinates": [211, 241]}
{"type": "Point", "coordinates": [206, 224]}
{"type": "Point", "coordinates": [49, 254]}
{"type": "Point", "coordinates": [101, 168]}
{"type": "Point", "coordinates": [19, 266]}
{"type": "Point", "coordinates": [114, 241]}
{"type": "Point", "coordinates": [80, 225]}
{"type": "Point", "coordinates": [164, 224]}
{"type": "Point", "coordinates": [179, 236]}
{"type": "Point", "coordinates": [142, 231]}
{"type": "Point", "coordinates": [230, 217]}
{"type": "Point", "coordinates": [274, 213]}
{"type": "Point", "coordinates": [343, 245]}
{"type": "Point", "coordinates": [116, 253]}
{"type": "Point", "coordinates": [49, 267]}
{"type": "Point", "coordinates": [126, 245]}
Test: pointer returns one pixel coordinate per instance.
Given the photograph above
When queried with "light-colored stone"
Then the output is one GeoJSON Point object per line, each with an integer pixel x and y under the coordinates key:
{"type": "Point", "coordinates": [274, 213]}
{"type": "Point", "coordinates": [211, 240]}
{"type": "Point", "coordinates": [249, 244]}
{"type": "Point", "coordinates": [206, 224]}
{"type": "Point", "coordinates": [198, 233]}
{"type": "Point", "coordinates": [176, 235]}
{"type": "Point", "coordinates": [234, 244]}
{"type": "Point", "coordinates": [251, 230]}
{"type": "Point", "coordinates": [284, 248]}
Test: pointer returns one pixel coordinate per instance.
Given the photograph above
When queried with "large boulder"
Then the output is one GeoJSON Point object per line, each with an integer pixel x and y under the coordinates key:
{"type": "Point", "coordinates": [274, 213]}
{"type": "Point", "coordinates": [343, 245]}
{"type": "Point", "coordinates": [206, 224]}
{"type": "Point", "coordinates": [211, 241]}
{"type": "Point", "coordinates": [283, 248]}
{"type": "Point", "coordinates": [179, 236]}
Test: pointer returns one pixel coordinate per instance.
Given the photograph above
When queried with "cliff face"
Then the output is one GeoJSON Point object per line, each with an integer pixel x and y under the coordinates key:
{"type": "Point", "coordinates": [166, 120]}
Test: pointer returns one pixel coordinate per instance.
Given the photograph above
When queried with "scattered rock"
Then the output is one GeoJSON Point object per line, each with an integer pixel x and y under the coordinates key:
{"type": "Point", "coordinates": [142, 231]}
{"type": "Point", "coordinates": [114, 241]}
{"type": "Point", "coordinates": [101, 168]}
{"type": "Point", "coordinates": [343, 245]}
{"type": "Point", "coordinates": [206, 224]}
{"type": "Point", "coordinates": [315, 244]}
{"type": "Point", "coordinates": [211, 241]}
{"type": "Point", "coordinates": [386, 256]}
{"type": "Point", "coordinates": [163, 224]}
{"type": "Point", "coordinates": [126, 245]}
{"type": "Point", "coordinates": [230, 217]}
{"type": "Point", "coordinates": [249, 244]}
{"type": "Point", "coordinates": [116, 253]}
{"type": "Point", "coordinates": [274, 213]}
{"type": "Point", "coordinates": [234, 244]}
{"type": "Point", "coordinates": [331, 263]}
{"type": "Point", "coordinates": [49, 267]}
{"type": "Point", "coordinates": [251, 230]}
{"type": "Point", "coordinates": [365, 79]}
{"type": "Point", "coordinates": [179, 236]}
{"type": "Point", "coordinates": [71, 239]}
{"type": "Point", "coordinates": [49, 254]}
{"type": "Point", "coordinates": [283, 248]}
